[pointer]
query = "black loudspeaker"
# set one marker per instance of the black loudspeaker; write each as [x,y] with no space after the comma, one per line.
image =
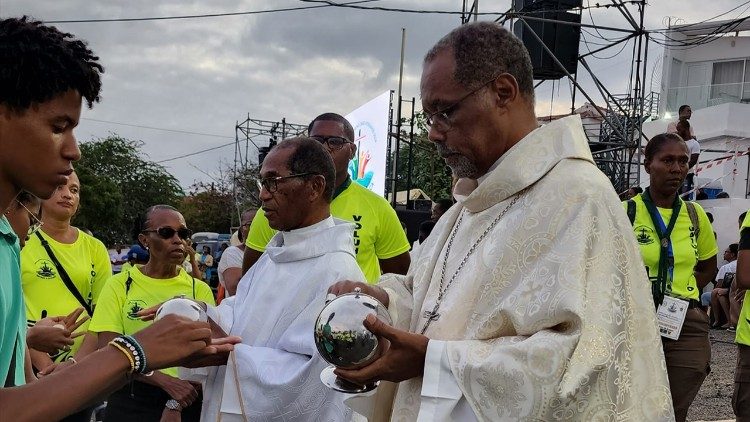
[557,5]
[562,39]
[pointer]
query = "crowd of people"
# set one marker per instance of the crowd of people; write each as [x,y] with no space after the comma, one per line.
[526,299]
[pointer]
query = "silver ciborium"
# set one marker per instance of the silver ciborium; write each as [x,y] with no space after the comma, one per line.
[183,307]
[342,339]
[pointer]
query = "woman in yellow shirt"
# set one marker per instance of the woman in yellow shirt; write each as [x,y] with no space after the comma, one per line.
[679,250]
[62,269]
[161,394]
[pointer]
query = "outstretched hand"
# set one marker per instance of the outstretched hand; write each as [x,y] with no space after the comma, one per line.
[175,340]
[148,314]
[402,360]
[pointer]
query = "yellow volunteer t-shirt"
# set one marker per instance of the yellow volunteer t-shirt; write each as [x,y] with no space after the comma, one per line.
[378,233]
[117,308]
[87,263]
[687,249]
[743,324]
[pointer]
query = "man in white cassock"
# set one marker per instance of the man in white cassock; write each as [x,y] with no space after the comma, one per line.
[529,300]
[274,374]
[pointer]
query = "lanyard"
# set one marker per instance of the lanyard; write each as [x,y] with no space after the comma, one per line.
[666,254]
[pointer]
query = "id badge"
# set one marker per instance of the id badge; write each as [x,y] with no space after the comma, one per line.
[671,316]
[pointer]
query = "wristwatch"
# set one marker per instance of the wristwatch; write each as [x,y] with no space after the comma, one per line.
[173,404]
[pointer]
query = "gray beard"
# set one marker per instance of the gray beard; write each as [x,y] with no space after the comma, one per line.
[461,166]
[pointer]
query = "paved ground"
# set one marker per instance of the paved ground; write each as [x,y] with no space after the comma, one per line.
[714,401]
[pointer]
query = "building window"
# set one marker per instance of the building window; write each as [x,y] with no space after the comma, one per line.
[727,80]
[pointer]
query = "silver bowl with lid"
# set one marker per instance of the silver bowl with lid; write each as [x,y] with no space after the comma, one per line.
[342,339]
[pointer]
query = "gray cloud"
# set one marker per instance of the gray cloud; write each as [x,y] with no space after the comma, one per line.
[203,75]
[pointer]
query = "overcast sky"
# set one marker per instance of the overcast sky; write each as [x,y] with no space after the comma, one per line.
[203,75]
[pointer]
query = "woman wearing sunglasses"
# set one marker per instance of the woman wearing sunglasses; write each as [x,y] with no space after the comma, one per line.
[162,231]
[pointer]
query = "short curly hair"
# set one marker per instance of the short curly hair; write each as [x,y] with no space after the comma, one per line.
[310,156]
[38,63]
[483,50]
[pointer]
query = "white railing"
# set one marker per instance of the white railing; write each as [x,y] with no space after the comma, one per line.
[702,96]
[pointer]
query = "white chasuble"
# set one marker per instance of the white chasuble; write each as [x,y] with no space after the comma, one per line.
[550,317]
[274,375]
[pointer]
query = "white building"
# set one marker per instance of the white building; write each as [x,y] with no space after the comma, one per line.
[711,73]
[591,118]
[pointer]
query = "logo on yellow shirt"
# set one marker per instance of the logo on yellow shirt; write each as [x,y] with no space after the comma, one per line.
[135,306]
[644,235]
[45,269]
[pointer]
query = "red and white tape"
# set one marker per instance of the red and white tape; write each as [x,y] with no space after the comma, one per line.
[718,161]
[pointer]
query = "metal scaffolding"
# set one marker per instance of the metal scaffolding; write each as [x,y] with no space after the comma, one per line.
[262,135]
[616,149]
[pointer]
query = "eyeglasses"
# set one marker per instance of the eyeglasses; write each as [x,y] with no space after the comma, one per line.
[441,119]
[168,232]
[37,223]
[271,184]
[335,143]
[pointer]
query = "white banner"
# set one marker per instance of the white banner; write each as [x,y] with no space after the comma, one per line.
[371,126]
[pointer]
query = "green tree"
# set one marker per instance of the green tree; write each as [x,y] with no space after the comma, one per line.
[216,206]
[429,171]
[117,184]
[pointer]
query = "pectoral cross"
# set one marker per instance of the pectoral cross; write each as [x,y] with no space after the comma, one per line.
[432,315]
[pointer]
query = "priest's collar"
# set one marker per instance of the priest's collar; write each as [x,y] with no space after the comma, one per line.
[303,233]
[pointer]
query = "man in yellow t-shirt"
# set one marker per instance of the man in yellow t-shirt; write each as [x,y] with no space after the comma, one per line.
[129,292]
[379,240]
[741,396]
[86,261]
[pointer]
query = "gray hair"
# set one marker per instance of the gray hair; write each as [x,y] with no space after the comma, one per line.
[484,50]
[310,156]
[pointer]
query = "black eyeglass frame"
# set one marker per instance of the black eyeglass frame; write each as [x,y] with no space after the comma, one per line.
[271,184]
[161,232]
[444,122]
[326,140]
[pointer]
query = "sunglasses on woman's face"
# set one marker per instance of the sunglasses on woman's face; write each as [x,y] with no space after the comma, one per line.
[168,232]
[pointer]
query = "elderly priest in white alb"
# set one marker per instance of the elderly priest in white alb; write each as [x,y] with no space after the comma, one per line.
[529,300]
[274,374]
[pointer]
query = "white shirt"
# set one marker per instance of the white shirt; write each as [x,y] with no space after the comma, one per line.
[114,257]
[230,258]
[728,268]
[693,148]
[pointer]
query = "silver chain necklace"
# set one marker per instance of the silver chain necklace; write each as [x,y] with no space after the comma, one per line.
[433,315]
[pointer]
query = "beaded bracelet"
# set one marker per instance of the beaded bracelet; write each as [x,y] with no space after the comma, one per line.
[125,352]
[130,347]
[137,345]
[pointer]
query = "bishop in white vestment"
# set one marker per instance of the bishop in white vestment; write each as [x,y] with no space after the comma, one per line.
[549,318]
[529,301]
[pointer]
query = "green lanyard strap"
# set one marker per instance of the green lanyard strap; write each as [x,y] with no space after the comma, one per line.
[666,260]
